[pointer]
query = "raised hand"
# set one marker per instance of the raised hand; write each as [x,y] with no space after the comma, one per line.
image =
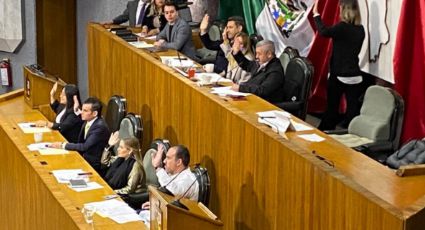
[76,104]
[157,159]
[113,139]
[204,24]
[54,89]
[315,8]
[225,39]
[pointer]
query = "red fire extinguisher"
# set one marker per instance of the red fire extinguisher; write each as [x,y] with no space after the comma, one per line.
[6,72]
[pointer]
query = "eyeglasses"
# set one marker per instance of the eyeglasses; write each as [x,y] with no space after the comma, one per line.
[328,162]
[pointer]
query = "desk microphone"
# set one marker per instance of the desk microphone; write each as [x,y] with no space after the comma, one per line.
[177,201]
[180,59]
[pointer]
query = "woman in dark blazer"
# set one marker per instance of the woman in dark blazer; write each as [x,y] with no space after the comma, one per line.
[66,121]
[345,75]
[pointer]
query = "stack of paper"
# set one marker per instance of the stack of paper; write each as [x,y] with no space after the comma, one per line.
[44,150]
[64,175]
[175,61]
[226,91]
[210,78]
[117,210]
[29,127]
[280,121]
[141,44]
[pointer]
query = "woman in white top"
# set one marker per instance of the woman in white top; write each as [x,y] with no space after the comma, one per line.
[234,72]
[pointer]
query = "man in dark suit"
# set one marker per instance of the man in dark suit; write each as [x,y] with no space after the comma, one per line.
[177,34]
[267,73]
[135,13]
[234,25]
[93,136]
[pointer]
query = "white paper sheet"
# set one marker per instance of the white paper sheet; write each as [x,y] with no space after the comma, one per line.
[226,91]
[90,186]
[141,44]
[64,175]
[117,210]
[174,61]
[27,127]
[52,151]
[312,137]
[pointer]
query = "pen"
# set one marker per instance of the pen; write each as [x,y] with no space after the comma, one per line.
[267,117]
[85,173]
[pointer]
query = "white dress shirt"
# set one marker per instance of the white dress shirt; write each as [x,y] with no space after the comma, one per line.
[179,183]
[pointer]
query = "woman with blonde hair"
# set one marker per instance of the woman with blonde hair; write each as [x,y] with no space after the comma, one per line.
[125,172]
[234,72]
[345,74]
[155,19]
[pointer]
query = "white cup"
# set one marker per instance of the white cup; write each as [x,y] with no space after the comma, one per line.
[88,212]
[38,137]
[209,68]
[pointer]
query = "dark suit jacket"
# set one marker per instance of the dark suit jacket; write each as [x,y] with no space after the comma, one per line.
[91,148]
[266,83]
[129,14]
[221,61]
[69,125]
[181,38]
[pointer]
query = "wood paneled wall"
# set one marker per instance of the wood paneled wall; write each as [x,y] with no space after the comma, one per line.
[260,180]
[56,38]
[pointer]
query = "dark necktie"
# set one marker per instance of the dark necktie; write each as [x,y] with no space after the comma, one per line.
[170,32]
[142,15]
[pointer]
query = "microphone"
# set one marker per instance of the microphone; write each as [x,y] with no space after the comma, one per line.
[180,59]
[177,202]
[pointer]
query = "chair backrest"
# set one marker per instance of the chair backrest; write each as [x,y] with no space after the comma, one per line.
[255,38]
[214,32]
[381,116]
[203,179]
[131,126]
[151,178]
[298,79]
[115,112]
[288,54]
[185,13]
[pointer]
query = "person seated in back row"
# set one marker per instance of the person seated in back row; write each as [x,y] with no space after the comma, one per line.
[125,173]
[67,122]
[235,25]
[155,20]
[135,14]
[234,72]
[267,73]
[177,34]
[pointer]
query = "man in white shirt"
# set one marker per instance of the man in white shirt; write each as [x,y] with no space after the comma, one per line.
[175,174]
[135,13]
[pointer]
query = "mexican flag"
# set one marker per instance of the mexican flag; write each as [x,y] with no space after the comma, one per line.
[286,23]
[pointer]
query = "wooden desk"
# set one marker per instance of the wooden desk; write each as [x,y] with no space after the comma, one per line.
[260,180]
[30,197]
